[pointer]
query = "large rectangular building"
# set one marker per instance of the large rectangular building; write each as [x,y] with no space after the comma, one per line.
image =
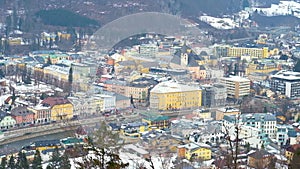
[236,86]
[287,83]
[231,51]
[174,96]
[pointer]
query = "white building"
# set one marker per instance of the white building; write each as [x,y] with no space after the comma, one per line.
[287,83]
[109,102]
[255,129]
[236,86]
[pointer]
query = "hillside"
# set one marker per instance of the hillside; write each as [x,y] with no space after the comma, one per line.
[62,17]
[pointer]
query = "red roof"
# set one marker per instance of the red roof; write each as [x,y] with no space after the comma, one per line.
[52,101]
[293,148]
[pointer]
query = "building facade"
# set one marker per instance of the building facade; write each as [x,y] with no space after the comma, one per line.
[61,108]
[236,86]
[287,83]
[213,95]
[174,96]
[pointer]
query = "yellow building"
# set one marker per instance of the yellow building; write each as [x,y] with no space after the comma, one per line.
[252,52]
[202,114]
[61,108]
[261,66]
[289,152]
[157,122]
[64,35]
[134,129]
[174,96]
[193,150]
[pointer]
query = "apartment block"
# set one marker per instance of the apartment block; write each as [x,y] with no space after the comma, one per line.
[236,86]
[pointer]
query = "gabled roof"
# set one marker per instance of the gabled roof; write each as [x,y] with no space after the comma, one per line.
[52,101]
[20,111]
[259,154]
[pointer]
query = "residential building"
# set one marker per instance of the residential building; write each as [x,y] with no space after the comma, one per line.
[260,159]
[148,50]
[203,114]
[236,86]
[86,105]
[174,96]
[41,114]
[226,111]
[61,108]
[109,102]
[122,102]
[262,66]
[213,95]
[6,120]
[134,129]
[287,83]
[282,136]
[194,150]
[265,122]
[22,115]
[290,151]
[211,133]
[155,121]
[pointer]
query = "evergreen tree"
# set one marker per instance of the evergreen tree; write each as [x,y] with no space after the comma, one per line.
[22,162]
[37,161]
[295,162]
[3,163]
[105,146]
[70,80]
[49,61]
[11,163]
[55,160]
[65,162]
[1,73]
[245,4]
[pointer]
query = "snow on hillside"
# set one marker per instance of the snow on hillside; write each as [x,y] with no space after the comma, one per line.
[283,8]
[219,23]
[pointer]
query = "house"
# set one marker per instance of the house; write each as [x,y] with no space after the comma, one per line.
[156,121]
[260,159]
[22,115]
[134,129]
[193,150]
[41,114]
[61,108]
[6,120]
[290,150]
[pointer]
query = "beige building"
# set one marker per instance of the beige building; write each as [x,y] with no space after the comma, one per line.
[236,86]
[220,113]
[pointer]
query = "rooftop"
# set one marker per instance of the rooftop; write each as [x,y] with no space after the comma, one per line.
[170,86]
[52,101]
[287,75]
[236,79]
